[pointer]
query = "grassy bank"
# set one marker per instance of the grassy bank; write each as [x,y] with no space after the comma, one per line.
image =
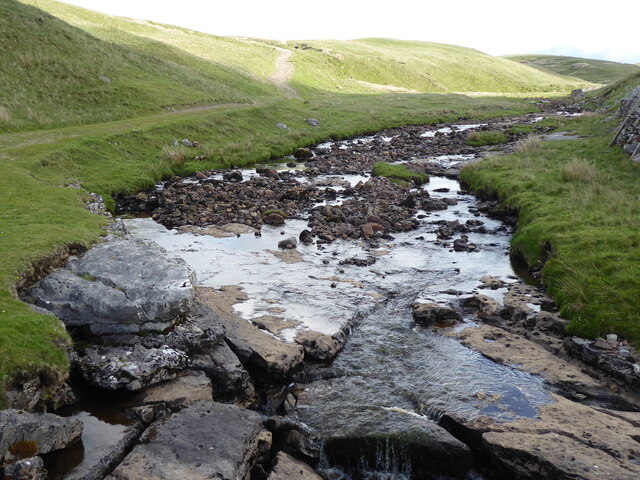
[579,214]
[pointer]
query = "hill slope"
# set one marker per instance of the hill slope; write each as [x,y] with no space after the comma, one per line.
[55,74]
[596,71]
[374,65]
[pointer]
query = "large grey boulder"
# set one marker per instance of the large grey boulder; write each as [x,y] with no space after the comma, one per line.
[203,441]
[356,433]
[129,368]
[25,434]
[288,468]
[121,286]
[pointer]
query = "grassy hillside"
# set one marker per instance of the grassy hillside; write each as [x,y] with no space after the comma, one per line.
[55,74]
[375,65]
[596,71]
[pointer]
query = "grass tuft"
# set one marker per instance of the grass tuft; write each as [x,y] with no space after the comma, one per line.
[529,144]
[399,172]
[579,170]
[482,138]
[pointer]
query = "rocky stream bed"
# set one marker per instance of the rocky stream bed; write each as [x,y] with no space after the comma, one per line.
[307,320]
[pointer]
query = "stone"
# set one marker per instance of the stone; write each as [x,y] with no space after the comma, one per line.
[510,349]
[282,126]
[623,367]
[305,236]
[567,440]
[31,468]
[187,143]
[230,380]
[430,313]
[120,286]
[288,468]
[290,242]
[253,346]
[493,283]
[481,305]
[205,440]
[303,153]
[187,388]
[233,176]
[200,176]
[24,435]
[274,219]
[129,368]
[296,443]
[312,122]
[354,433]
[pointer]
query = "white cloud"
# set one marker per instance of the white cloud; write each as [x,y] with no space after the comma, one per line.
[497,27]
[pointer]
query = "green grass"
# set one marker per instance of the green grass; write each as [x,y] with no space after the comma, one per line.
[56,74]
[590,70]
[399,172]
[381,65]
[482,138]
[579,214]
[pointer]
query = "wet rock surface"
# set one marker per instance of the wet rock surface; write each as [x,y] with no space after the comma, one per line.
[113,368]
[205,440]
[23,434]
[120,286]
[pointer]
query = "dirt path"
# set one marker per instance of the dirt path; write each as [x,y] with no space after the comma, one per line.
[22,139]
[284,73]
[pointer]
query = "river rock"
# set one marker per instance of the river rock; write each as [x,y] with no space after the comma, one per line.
[303,153]
[288,468]
[429,313]
[203,441]
[24,435]
[120,286]
[187,388]
[290,242]
[355,435]
[274,219]
[253,346]
[619,362]
[129,368]
[510,349]
[31,468]
[231,382]
[566,440]
[482,305]
[232,176]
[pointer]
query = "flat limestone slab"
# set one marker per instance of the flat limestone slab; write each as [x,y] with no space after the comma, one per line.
[288,468]
[36,432]
[206,440]
[271,355]
[118,287]
[568,440]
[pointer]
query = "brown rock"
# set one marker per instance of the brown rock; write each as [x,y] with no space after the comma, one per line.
[288,468]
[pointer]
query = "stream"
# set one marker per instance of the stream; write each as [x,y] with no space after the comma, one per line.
[389,362]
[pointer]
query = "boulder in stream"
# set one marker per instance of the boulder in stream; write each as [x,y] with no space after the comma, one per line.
[120,286]
[129,368]
[430,312]
[24,435]
[205,440]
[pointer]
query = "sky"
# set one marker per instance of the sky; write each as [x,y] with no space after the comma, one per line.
[587,28]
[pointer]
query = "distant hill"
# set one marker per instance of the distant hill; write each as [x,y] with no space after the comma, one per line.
[63,65]
[596,71]
[378,65]
[54,73]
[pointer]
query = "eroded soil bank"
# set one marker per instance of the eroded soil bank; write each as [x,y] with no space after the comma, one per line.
[312,319]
